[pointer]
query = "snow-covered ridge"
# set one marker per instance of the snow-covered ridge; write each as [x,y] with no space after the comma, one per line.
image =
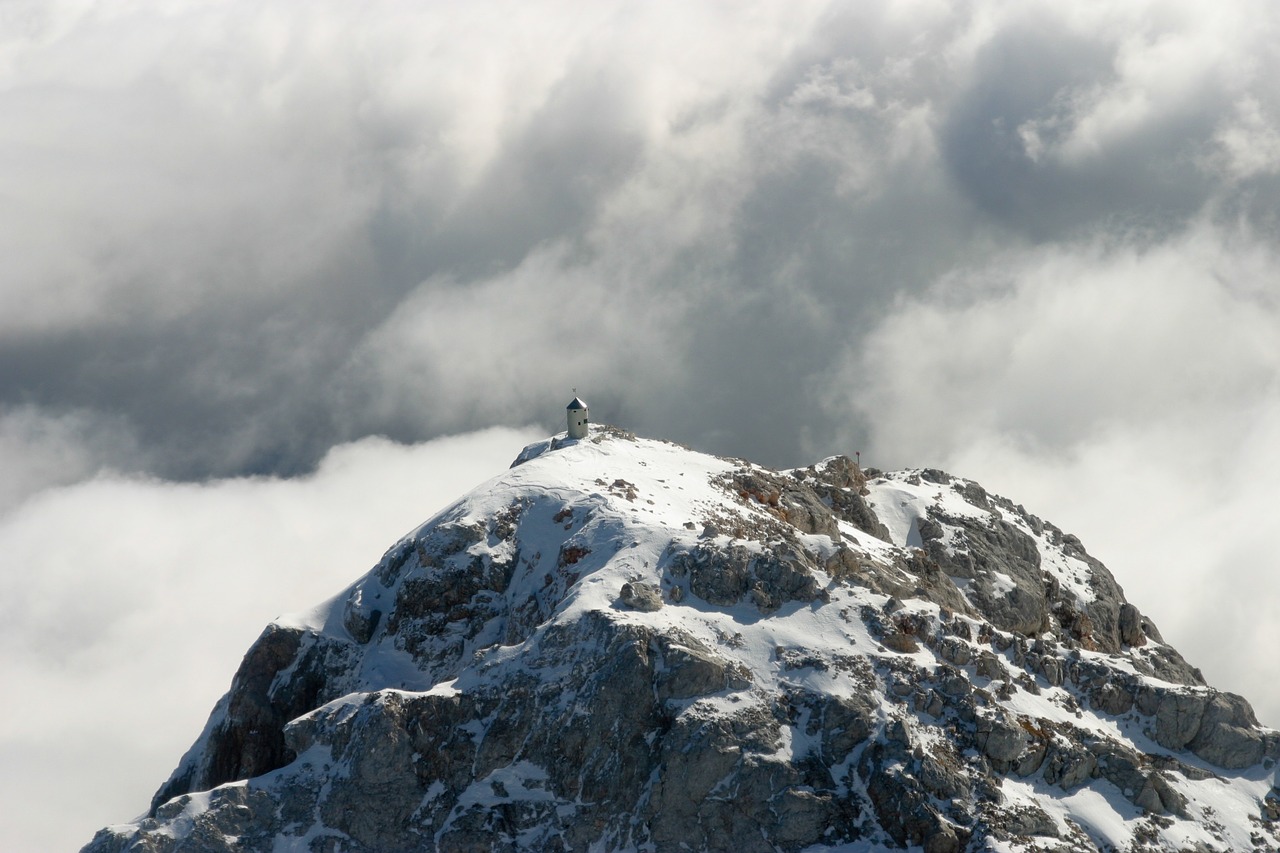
[622,644]
[903,500]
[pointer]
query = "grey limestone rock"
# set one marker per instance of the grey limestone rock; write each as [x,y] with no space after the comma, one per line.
[358,617]
[1031,820]
[1000,738]
[641,596]
[913,575]
[525,722]
[685,668]
[719,576]
[1228,735]
[1068,765]
[986,552]
[942,774]
[1131,626]
[1110,698]
[1178,716]
[723,576]
[247,738]
[839,483]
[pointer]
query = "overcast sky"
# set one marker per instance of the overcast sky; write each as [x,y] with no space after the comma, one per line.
[261,257]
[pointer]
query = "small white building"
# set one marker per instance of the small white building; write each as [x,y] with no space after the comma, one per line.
[577,415]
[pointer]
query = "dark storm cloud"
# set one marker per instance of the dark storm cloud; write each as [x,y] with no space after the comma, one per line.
[1023,87]
[233,278]
[229,280]
[233,219]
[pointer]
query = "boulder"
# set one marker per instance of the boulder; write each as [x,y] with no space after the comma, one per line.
[1002,739]
[1228,735]
[637,595]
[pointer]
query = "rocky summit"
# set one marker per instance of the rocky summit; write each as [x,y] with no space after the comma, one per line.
[621,644]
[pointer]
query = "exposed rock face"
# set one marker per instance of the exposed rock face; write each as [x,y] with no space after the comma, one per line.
[641,596]
[983,553]
[624,645]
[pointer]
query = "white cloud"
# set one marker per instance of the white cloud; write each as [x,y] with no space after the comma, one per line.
[1169,66]
[1248,143]
[39,449]
[126,604]
[498,346]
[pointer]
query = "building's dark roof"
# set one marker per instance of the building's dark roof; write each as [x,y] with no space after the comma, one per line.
[577,403]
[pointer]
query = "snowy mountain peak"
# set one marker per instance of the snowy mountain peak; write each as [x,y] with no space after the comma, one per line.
[623,644]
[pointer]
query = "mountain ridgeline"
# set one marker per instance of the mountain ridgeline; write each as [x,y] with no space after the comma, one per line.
[621,644]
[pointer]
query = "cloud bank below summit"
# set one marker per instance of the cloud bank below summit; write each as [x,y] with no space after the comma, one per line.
[1032,244]
[127,604]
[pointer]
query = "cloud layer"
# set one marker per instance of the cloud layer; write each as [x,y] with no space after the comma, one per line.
[126,605]
[1033,243]
[244,232]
